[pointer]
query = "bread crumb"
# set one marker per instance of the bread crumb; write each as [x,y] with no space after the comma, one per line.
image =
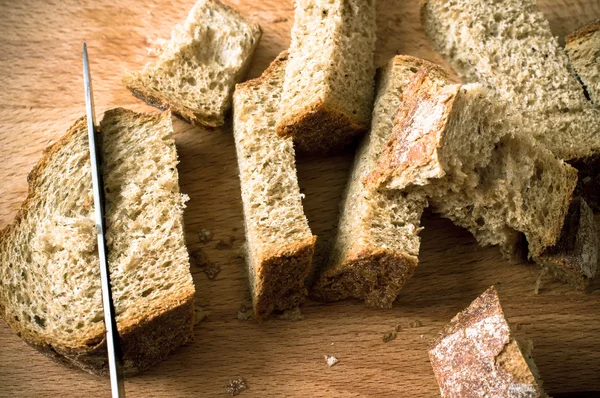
[389,337]
[280,19]
[293,314]
[200,260]
[415,324]
[242,251]
[204,235]
[539,282]
[244,313]
[331,360]
[398,328]
[236,386]
[222,245]
[199,314]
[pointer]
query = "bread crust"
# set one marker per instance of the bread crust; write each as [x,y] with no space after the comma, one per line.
[583,32]
[143,343]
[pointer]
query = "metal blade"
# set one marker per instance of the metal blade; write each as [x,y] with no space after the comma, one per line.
[113,347]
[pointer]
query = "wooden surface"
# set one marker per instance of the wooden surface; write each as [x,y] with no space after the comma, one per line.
[42,94]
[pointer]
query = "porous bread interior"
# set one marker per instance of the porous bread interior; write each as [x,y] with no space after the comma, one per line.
[508,46]
[274,216]
[206,56]
[373,221]
[583,49]
[331,60]
[50,273]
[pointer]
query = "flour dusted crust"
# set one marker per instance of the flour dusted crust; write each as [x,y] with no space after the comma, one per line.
[476,355]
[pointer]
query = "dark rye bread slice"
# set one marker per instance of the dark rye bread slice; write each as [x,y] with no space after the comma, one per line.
[509,47]
[583,49]
[49,272]
[476,355]
[453,143]
[377,244]
[279,242]
[195,74]
[328,88]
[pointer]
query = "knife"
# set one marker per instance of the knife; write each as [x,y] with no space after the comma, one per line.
[113,347]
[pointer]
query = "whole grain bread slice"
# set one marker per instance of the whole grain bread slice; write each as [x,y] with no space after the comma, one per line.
[49,271]
[509,47]
[583,49]
[328,88]
[477,355]
[279,243]
[454,143]
[377,245]
[197,70]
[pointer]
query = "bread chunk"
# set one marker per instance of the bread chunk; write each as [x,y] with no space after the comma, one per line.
[50,290]
[280,245]
[476,355]
[196,72]
[328,88]
[453,143]
[583,49]
[377,244]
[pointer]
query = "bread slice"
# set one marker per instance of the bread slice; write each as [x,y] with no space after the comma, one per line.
[49,272]
[377,244]
[574,258]
[196,72]
[328,88]
[583,49]
[508,46]
[476,355]
[280,245]
[453,143]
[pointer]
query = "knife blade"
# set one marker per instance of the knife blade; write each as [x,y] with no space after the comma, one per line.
[113,347]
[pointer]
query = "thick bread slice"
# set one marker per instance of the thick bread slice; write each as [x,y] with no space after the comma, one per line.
[328,88]
[508,46]
[454,144]
[49,271]
[476,355]
[376,248]
[198,68]
[280,245]
[583,48]
[574,258]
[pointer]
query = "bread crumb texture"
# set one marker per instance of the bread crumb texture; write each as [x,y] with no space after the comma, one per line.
[330,360]
[236,386]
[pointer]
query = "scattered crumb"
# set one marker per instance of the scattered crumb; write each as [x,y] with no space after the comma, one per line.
[415,324]
[398,328]
[244,313]
[222,245]
[236,386]
[421,336]
[242,250]
[280,19]
[539,282]
[200,260]
[199,314]
[293,314]
[204,235]
[331,360]
[389,337]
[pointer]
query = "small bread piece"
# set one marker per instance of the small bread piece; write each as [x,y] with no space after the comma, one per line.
[280,245]
[377,244]
[583,49]
[476,355]
[198,68]
[574,258]
[508,46]
[49,272]
[454,144]
[328,89]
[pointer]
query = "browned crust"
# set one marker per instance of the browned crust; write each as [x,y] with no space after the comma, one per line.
[320,128]
[405,150]
[583,33]
[158,334]
[274,67]
[195,116]
[281,279]
[574,258]
[485,361]
[374,275]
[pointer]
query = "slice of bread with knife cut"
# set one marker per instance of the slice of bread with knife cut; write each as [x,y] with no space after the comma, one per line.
[49,270]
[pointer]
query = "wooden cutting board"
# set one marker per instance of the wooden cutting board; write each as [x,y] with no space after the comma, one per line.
[42,94]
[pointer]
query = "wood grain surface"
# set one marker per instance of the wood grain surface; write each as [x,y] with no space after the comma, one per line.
[42,94]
